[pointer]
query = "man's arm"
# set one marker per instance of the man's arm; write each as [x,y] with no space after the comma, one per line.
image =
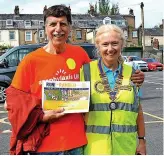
[141,149]
[138,77]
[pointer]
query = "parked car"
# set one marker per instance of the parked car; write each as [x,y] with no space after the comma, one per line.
[125,58]
[10,60]
[153,64]
[136,62]
[90,49]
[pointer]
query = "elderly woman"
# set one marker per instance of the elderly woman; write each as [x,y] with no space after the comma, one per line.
[115,120]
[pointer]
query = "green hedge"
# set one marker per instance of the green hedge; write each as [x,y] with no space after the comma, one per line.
[3,47]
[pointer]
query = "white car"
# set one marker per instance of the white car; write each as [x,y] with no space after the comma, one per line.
[136,62]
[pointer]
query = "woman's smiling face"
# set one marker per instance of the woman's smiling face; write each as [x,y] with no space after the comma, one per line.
[110,45]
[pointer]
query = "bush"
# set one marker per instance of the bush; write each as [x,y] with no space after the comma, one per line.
[3,47]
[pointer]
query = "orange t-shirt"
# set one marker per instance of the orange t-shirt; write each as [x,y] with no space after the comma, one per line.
[67,132]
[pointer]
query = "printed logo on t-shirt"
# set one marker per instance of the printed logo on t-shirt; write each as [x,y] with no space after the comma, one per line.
[62,75]
[71,63]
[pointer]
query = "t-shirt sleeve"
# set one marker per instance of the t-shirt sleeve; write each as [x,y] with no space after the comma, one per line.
[22,77]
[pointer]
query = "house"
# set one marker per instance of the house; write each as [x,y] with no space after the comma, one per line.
[86,25]
[153,34]
[17,29]
[154,43]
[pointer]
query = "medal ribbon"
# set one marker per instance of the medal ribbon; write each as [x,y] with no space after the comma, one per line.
[112,92]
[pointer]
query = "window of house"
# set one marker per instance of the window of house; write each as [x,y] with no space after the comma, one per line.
[119,22]
[113,22]
[41,34]
[134,34]
[78,34]
[27,23]
[107,20]
[126,34]
[123,23]
[69,36]
[9,22]
[11,35]
[41,23]
[28,36]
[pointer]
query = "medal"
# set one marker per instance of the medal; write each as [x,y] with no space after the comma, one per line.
[113,105]
[99,87]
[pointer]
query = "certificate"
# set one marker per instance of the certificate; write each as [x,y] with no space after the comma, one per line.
[73,96]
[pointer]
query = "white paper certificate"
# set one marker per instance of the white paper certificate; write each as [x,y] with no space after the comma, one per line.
[73,96]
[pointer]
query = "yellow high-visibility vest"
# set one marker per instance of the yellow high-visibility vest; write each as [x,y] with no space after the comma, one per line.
[110,132]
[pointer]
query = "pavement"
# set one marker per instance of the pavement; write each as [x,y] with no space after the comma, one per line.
[152,104]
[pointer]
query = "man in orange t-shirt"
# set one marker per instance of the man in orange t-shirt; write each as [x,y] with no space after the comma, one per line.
[55,61]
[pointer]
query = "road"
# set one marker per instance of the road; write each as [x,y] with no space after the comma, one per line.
[152,103]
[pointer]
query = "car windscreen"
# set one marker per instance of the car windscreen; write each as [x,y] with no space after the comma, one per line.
[150,60]
[136,58]
[91,51]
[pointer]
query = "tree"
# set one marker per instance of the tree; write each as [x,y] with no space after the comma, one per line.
[104,7]
[114,9]
[96,8]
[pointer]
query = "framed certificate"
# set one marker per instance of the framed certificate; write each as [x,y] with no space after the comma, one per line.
[73,96]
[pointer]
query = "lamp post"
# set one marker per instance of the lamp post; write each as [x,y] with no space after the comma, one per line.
[143,32]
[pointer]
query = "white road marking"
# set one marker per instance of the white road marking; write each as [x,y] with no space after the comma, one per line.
[153,82]
[159,88]
[147,122]
[3,121]
[3,111]
[154,77]
[6,131]
[153,116]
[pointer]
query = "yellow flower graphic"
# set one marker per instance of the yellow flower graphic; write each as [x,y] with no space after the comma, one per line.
[71,63]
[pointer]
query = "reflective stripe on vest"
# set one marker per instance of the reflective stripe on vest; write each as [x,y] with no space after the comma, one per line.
[86,68]
[120,106]
[113,128]
[105,106]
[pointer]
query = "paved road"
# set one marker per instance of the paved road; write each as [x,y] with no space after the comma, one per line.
[152,102]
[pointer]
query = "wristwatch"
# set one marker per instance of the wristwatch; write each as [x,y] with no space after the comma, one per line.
[142,137]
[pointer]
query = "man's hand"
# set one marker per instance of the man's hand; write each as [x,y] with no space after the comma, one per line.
[5,106]
[138,77]
[52,115]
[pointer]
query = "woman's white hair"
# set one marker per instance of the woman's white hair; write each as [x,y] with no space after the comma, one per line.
[106,28]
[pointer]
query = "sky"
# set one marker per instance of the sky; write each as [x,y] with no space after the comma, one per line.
[153,9]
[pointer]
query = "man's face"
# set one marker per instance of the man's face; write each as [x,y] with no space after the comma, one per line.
[109,46]
[57,30]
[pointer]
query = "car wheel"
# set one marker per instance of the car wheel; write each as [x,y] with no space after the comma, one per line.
[2,93]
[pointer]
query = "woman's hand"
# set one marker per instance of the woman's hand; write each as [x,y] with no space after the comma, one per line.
[52,115]
[141,149]
[138,77]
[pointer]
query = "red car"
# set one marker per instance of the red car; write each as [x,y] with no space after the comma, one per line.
[153,64]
